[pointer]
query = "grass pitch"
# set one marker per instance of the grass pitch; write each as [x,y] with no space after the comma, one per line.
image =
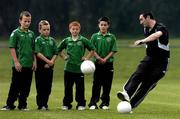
[161,103]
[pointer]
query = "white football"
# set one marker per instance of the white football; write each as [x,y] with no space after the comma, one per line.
[124,107]
[87,67]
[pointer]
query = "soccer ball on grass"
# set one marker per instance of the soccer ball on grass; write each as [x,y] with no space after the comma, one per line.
[124,107]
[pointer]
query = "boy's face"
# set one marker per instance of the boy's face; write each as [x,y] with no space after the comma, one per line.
[45,30]
[103,26]
[74,30]
[25,22]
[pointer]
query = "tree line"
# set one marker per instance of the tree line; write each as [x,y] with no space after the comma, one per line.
[123,14]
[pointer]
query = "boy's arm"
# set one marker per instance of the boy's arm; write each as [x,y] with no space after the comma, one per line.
[54,58]
[42,57]
[61,48]
[63,55]
[108,56]
[55,49]
[90,46]
[97,56]
[18,66]
[103,60]
[100,59]
[89,55]
[34,63]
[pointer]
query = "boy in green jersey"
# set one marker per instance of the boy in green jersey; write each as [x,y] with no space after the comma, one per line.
[105,44]
[21,44]
[46,53]
[75,46]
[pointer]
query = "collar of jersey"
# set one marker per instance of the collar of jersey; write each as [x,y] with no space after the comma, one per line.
[23,31]
[44,37]
[99,33]
[70,38]
[154,27]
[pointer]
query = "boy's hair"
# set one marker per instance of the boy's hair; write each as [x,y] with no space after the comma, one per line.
[104,18]
[74,23]
[24,13]
[146,14]
[43,22]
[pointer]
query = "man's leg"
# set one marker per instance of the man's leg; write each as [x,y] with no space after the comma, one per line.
[147,85]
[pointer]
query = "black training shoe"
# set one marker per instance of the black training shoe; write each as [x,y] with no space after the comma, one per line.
[123,96]
[23,108]
[43,108]
[6,108]
[93,107]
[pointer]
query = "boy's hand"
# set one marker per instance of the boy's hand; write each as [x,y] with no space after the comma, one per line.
[46,66]
[18,66]
[103,60]
[66,57]
[50,63]
[100,61]
[84,58]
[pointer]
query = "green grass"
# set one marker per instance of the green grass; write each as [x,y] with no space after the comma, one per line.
[161,103]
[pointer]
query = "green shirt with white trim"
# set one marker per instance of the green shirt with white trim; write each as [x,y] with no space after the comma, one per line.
[46,46]
[104,44]
[75,51]
[23,43]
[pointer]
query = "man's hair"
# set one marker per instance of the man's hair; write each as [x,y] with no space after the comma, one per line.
[104,18]
[24,13]
[74,23]
[145,15]
[43,22]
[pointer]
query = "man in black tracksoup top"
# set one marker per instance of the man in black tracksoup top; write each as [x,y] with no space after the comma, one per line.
[154,65]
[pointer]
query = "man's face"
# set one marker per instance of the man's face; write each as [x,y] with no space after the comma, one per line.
[143,21]
[103,26]
[25,22]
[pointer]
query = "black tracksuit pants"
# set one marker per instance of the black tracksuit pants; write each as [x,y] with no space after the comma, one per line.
[144,79]
[20,87]
[43,78]
[69,79]
[103,77]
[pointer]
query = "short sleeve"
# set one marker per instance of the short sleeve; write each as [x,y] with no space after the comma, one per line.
[114,46]
[62,45]
[93,40]
[37,46]
[33,41]
[89,45]
[55,47]
[13,40]
[162,29]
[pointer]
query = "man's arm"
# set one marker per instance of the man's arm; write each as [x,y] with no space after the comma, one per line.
[150,38]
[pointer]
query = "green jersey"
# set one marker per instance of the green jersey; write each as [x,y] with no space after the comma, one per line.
[47,47]
[75,50]
[104,44]
[23,43]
